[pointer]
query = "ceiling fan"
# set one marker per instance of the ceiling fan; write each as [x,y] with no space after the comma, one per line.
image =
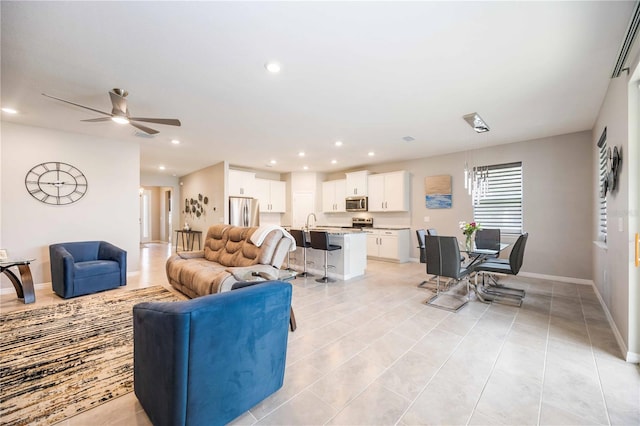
[120,113]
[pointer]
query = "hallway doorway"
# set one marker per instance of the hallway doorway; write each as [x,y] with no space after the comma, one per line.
[156,214]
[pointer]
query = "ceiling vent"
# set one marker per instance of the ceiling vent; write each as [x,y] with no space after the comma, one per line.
[144,135]
[408,139]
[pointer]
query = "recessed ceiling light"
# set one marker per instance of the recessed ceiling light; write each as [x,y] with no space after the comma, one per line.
[175,141]
[10,110]
[301,154]
[161,167]
[120,120]
[305,167]
[371,153]
[273,161]
[338,143]
[334,161]
[272,67]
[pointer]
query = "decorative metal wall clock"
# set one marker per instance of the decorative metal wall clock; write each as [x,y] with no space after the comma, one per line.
[56,183]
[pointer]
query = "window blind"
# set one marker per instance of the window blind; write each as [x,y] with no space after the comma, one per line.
[603,162]
[501,207]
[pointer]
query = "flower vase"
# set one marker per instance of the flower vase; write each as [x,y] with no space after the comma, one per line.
[467,242]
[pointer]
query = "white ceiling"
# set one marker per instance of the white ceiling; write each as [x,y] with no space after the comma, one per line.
[364,73]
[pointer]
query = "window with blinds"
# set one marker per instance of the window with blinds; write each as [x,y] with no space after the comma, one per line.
[602,164]
[501,205]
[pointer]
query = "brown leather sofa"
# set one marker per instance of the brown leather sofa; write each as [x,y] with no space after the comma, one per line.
[229,256]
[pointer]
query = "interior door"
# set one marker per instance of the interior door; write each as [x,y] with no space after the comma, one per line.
[145,215]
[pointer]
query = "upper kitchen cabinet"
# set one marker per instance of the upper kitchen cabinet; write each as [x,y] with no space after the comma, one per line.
[333,196]
[271,194]
[241,184]
[357,183]
[389,192]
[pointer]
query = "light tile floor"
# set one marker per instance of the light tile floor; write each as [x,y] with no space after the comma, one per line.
[367,351]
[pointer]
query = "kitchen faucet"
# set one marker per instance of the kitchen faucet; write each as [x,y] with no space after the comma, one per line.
[315,219]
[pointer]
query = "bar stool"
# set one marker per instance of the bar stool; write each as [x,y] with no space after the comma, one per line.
[320,241]
[301,241]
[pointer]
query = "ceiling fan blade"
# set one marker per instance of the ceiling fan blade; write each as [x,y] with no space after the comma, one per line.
[118,102]
[96,120]
[168,121]
[78,105]
[145,129]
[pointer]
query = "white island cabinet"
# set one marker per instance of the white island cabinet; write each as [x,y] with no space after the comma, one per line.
[388,244]
[348,262]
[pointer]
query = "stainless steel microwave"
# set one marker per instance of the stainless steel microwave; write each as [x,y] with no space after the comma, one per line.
[357,204]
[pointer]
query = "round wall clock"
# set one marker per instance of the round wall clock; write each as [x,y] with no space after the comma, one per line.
[56,183]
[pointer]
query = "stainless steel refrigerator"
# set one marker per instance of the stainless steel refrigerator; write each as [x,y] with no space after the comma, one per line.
[244,211]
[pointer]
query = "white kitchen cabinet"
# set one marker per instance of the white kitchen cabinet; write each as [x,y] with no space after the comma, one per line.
[241,184]
[389,192]
[271,194]
[357,183]
[333,196]
[388,244]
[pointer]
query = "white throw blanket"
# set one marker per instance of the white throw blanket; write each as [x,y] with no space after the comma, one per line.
[257,238]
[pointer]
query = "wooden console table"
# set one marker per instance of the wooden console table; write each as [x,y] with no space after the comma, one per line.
[188,238]
[24,284]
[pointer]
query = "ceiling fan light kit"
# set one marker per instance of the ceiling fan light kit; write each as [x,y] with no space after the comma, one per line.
[120,113]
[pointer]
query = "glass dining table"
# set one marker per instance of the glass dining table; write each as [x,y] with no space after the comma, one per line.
[479,255]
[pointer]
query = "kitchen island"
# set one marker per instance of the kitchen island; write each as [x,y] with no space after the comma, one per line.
[349,262]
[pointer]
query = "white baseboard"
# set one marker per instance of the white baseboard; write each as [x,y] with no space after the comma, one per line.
[40,286]
[571,280]
[11,290]
[631,357]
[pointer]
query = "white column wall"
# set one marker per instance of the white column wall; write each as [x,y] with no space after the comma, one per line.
[109,210]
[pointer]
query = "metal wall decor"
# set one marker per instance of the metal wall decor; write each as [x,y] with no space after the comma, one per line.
[56,183]
[614,165]
[195,207]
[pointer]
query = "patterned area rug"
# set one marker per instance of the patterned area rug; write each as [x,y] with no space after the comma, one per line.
[63,359]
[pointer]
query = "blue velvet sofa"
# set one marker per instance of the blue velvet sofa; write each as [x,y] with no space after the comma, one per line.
[86,267]
[208,360]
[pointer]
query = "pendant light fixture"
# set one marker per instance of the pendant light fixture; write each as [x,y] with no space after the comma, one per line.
[476,178]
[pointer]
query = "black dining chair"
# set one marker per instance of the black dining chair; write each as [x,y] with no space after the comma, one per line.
[488,239]
[421,234]
[500,266]
[443,260]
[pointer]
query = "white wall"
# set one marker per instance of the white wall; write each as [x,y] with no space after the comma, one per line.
[209,182]
[557,213]
[615,276]
[109,210]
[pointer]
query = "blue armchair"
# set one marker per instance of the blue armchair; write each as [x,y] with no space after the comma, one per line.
[207,360]
[86,267]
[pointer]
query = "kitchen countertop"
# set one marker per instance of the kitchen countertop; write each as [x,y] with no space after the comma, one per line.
[337,230]
[391,227]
